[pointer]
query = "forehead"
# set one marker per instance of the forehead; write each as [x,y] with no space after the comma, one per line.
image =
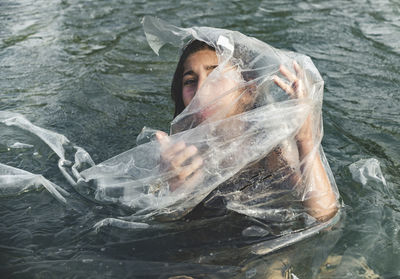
[205,57]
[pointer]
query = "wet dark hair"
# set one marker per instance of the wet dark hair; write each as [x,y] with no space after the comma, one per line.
[176,86]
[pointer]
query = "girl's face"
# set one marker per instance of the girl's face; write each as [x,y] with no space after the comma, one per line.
[212,96]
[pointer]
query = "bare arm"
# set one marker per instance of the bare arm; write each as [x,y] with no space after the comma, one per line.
[321,200]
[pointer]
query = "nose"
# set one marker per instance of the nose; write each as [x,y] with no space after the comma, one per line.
[203,96]
[200,81]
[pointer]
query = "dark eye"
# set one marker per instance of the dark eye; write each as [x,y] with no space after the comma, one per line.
[189,81]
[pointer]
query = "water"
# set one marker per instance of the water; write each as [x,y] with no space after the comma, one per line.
[84,70]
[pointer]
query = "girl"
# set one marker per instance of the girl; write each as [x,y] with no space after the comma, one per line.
[213,103]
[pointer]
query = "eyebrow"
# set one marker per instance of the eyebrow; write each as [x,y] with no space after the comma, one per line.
[208,67]
[190,72]
[211,67]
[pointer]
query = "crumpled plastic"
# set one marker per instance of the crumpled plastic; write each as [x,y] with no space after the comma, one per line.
[237,150]
[228,144]
[367,169]
[15,181]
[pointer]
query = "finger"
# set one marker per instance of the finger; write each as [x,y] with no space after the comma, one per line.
[171,152]
[162,138]
[188,184]
[288,74]
[191,168]
[282,84]
[195,178]
[183,156]
[160,135]
[298,69]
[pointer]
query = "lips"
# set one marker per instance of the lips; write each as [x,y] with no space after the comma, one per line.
[206,113]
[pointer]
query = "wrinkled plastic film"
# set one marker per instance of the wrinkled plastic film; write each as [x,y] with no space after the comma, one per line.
[15,181]
[255,141]
[220,156]
[245,129]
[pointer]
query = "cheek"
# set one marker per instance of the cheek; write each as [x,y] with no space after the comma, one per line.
[187,95]
[230,100]
[227,81]
[227,85]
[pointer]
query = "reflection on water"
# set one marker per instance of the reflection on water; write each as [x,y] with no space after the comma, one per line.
[84,70]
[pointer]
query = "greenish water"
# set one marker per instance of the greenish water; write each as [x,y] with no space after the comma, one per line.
[85,70]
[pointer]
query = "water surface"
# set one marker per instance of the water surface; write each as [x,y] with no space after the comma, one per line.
[85,70]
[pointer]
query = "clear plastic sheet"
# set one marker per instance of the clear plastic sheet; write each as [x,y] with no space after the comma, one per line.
[249,132]
[367,169]
[14,181]
[251,164]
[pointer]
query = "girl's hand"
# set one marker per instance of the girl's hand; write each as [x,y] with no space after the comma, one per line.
[295,88]
[181,160]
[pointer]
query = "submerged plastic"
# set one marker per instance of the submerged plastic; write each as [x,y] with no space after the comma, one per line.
[248,133]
